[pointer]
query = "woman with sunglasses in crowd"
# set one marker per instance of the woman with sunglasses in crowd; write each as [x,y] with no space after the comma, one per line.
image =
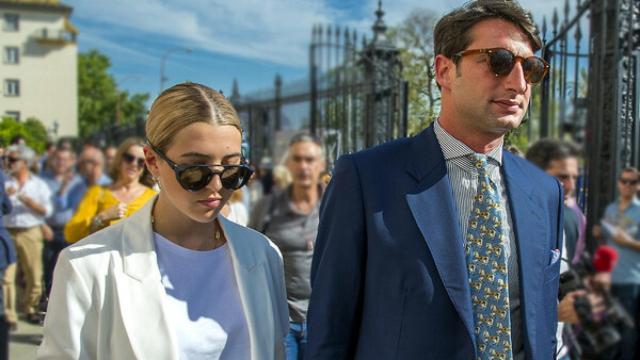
[102,206]
[175,280]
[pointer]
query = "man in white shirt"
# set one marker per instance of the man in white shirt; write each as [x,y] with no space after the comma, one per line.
[31,200]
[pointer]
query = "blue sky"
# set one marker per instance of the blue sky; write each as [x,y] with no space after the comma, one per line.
[249,40]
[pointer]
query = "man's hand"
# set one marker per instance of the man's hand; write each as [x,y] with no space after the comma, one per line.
[566,310]
[28,202]
[11,190]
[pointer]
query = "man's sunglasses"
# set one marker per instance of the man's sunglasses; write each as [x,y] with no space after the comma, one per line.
[197,177]
[131,159]
[502,61]
[628,181]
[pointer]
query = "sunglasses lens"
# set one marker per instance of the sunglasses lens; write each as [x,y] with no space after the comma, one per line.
[534,70]
[195,178]
[501,61]
[198,177]
[233,178]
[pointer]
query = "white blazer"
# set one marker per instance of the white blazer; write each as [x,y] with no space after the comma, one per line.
[107,298]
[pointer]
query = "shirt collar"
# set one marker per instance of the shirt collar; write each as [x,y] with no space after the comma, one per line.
[453,148]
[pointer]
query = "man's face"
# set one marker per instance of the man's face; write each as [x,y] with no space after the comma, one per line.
[627,184]
[566,170]
[91,164]
[305,163]
[62,162]
[483,102]
[15,163]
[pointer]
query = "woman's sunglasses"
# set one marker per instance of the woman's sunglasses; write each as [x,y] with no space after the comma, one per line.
[130,159]
[502,61]
[197,177]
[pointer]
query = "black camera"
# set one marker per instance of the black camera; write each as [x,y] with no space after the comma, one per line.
[596,336]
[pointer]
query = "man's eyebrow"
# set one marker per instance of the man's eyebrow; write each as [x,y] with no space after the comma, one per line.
[193,154]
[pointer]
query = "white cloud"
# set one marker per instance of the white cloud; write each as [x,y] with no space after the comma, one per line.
[274,30]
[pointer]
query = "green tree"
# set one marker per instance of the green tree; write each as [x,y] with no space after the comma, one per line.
[101,104]
[414,36]
[32,130]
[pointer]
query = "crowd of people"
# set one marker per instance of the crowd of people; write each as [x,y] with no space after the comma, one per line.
[444,245]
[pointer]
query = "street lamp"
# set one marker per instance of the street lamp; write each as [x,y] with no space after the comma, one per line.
[164,59]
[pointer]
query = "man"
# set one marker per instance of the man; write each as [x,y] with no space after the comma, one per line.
[110,155]
[31,200]
[444,246]
[621,228]
[290,219]
[62,180]
[560,160]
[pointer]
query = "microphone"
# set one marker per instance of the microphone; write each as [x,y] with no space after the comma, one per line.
[605,259]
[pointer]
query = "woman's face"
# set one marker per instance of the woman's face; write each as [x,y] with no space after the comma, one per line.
[132,163]
[198,143]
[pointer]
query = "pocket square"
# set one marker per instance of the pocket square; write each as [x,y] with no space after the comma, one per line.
[555,256]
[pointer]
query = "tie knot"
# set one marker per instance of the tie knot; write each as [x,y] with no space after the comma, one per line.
[480,162]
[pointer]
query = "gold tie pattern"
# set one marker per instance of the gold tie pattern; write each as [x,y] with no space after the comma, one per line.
[487,269]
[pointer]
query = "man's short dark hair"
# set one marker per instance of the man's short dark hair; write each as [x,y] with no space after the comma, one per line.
[451,34]
[304,137]
[544,151]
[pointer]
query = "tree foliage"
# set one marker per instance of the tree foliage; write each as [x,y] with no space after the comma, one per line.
[414,37]
[32,130]
[101,103]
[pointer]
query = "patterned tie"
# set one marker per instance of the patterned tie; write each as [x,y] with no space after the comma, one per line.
[487,267]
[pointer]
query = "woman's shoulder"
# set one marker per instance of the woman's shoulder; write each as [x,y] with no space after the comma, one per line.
[93,250]
[148,193]
[252,240]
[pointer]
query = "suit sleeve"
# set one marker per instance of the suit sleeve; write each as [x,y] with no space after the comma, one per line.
[7,207]
[69,328]
[337,272]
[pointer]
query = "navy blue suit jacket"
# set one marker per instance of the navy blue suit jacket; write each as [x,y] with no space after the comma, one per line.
[7,250]
[389,274]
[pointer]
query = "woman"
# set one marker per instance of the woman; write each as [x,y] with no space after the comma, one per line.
[175,280]
[102,206]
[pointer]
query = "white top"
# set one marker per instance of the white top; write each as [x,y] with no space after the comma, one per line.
[203,302]
[23,216]
[238,213]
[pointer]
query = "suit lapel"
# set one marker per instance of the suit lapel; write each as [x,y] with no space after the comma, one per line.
[530,232]
[252,283]
[432,206]
[140,292]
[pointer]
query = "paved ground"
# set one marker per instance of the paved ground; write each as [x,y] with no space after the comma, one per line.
[24,341]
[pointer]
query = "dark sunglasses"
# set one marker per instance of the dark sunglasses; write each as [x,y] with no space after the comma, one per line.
[11,159]
[502,61]
[628,181]
[197,177]
[130,159]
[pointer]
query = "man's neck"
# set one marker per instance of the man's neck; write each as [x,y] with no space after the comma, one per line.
[304,195]
[625,201]
[481,143]
[22,176]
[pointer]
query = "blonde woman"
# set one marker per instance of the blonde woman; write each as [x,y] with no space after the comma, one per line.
[102,206]
[175,280]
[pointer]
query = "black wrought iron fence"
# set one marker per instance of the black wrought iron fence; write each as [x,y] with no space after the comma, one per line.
[355,95]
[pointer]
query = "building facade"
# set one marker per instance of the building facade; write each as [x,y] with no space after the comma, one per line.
[38,65]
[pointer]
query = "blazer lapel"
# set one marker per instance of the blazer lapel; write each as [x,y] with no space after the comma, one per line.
[140,292]
[252,283]
[432,206]
[529,229]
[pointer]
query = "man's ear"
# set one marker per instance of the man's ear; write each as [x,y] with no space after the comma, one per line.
[152,161]
[445,70]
